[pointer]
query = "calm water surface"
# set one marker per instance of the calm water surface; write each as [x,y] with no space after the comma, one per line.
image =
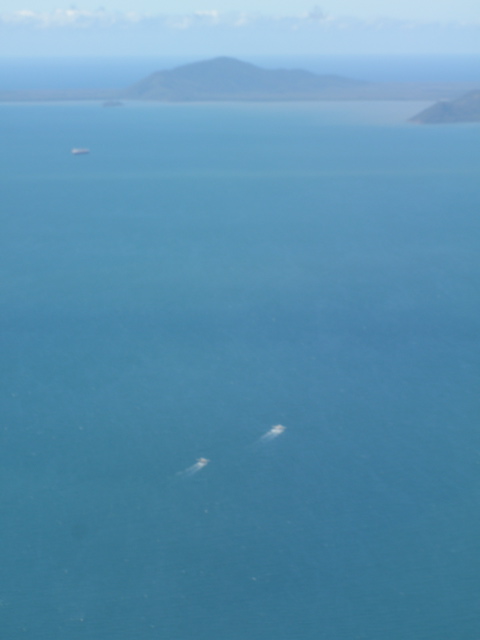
[205,273]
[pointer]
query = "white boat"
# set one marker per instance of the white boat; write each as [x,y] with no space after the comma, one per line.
[79,151]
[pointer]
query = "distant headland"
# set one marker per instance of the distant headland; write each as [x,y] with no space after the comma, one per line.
[231,80]
[463,109]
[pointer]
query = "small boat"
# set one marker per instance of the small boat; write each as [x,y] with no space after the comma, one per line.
[80,152]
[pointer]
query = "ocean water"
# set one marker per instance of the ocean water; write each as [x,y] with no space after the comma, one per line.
[207,272]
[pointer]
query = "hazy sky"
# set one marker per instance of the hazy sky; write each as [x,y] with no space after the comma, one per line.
[235,27]
[425,10]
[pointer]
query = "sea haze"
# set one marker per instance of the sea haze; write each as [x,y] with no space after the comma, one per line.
[117,73]
[207,272]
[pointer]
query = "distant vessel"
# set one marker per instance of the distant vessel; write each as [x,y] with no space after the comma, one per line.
[80,152]
[274,432]
[112,103]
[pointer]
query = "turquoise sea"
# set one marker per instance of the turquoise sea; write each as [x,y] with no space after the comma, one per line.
[207,272]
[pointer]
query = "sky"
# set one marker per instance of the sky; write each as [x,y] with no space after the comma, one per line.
[237,27]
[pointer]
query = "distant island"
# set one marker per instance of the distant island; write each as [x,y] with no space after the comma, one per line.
[228,79]
[463,109]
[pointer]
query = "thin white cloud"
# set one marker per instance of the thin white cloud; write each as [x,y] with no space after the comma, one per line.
[314,19]
[212,17]
[60,18]
[187,21]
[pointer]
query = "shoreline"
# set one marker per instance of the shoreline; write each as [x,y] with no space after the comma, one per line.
[371,92]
